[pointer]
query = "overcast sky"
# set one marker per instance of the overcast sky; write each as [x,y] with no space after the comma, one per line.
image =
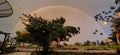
[78,10]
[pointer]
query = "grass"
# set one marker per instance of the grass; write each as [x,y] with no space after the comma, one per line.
[97,47]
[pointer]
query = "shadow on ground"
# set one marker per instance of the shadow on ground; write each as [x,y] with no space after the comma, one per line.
[70,53]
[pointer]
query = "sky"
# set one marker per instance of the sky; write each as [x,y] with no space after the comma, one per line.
[77,13]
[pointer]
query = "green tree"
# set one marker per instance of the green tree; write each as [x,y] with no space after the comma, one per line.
[113,37]
[106,16]
[102,43]
[23,37]
[98,42]
[117,1]
[116,27]
[77,44]
[87,43]
[45,31]
[93,43]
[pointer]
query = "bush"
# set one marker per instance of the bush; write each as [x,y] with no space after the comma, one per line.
[77,44]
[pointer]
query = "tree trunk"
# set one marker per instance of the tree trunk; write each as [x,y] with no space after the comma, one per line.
[58,42]
[46,49]
[117,37]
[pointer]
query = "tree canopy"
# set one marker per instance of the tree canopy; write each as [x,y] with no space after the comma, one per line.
[45,31]
[23,36]
[111,16]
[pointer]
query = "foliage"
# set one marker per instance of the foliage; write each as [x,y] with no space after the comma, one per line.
[113,37]
[23,36]
[93,43]
[65,44]
[77,44]
[117,1]
[98,42]
[116,23]
[45,31]
[109,16]
[111,46]
[87,43]
[102,43]
[116,27]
